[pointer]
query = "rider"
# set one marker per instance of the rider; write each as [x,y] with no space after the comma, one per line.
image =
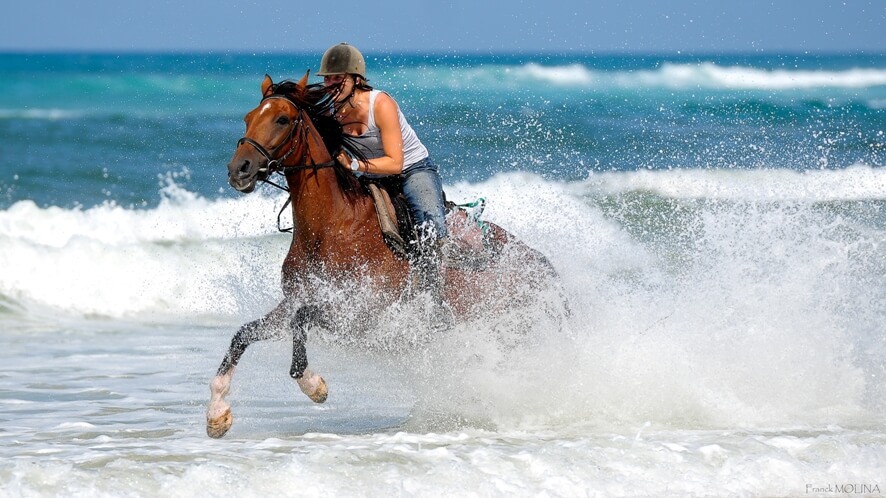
[391,147]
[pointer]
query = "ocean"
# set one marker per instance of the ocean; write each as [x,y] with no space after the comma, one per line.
[718,223]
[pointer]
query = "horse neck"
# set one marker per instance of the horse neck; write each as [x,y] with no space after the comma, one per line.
[315,193]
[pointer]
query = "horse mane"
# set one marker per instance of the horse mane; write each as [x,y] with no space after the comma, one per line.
[319,105]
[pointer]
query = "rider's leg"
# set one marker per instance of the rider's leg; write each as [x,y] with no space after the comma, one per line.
[423,190]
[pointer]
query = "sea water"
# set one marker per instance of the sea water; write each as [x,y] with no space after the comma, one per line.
[718,224]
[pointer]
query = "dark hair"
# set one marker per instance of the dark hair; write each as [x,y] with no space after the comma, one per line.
[361,83]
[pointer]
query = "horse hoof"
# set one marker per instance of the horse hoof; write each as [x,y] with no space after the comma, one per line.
[320,393]
[314,387]
[218,426]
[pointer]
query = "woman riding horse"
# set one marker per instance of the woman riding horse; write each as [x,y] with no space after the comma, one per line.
[389,146]
[337,242]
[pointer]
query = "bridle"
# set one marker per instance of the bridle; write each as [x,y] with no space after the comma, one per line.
[277,165]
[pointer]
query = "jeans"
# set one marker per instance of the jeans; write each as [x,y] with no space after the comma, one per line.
[423,190]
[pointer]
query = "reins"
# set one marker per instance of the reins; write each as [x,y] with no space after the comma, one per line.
[292,169]
[277,166]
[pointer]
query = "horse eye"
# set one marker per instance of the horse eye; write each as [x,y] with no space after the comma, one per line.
[283,120]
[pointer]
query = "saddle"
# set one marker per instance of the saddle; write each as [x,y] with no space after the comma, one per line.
[468,246]
[394,218]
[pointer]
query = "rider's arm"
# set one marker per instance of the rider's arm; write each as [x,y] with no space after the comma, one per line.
[388,122]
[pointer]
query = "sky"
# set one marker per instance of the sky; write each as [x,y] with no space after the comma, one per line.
[446,26]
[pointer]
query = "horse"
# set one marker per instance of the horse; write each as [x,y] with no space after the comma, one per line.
[336,239]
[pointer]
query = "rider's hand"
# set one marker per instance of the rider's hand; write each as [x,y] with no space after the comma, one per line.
[344,159]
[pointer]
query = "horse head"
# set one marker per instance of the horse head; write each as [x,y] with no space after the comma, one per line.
[272,135]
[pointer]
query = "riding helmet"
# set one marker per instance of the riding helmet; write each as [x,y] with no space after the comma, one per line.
[342,59]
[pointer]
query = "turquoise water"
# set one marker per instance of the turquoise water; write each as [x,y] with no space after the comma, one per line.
[82,129]
[718,224]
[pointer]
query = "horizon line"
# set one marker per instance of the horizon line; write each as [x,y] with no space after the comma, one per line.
[451,53]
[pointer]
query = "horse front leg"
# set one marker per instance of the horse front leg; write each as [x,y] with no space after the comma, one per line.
[218,415]
[308,381]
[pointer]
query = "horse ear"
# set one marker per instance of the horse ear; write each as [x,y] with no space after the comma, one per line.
[303,82]
[266,85]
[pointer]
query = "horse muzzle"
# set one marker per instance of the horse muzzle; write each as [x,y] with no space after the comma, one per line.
[241,187]
[244,175]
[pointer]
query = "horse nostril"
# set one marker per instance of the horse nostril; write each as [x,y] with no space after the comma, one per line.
[245,167]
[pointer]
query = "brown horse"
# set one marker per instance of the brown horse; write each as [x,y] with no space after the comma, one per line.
[336,239]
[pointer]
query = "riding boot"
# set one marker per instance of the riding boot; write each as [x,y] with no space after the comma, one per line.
[428,265]
[431,278]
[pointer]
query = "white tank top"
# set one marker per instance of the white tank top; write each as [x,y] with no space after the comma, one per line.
[371,144]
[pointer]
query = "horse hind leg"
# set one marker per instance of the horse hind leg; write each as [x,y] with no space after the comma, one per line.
[218,415]
[308,381]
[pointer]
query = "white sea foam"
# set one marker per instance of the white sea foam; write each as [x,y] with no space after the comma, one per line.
[114,261]
[473,463]
[181,216]
[699,334]
[573,74]
[703,75]
[41,114]
[854,183]
[710,75]
[727,348]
